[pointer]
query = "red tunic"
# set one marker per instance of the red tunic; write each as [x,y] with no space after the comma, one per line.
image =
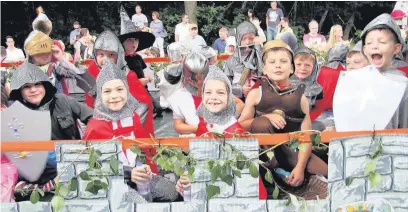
[135,88]
[327,78]
[100,129]
[404,69]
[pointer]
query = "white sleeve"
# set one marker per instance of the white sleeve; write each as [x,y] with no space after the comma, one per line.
[133,19]
[145,20]
[21,54]
[177,31]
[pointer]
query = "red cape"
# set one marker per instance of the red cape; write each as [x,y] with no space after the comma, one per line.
[404,69]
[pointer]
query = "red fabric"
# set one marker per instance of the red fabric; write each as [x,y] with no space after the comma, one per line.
[133,54]
[262,190]
[56,43]
[93,70]
[327,78]
[404,69]
[397,14]
[100,129]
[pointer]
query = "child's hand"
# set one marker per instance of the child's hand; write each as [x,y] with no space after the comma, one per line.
[141,175]
[296,177]
[183,183]
[57,52]
[277,121]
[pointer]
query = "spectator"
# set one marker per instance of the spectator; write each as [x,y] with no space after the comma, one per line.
[81,44]
[73,36]
[273,17]
[355,58]
[220,43]
[182,30]
[251,15]
[284,28]
[13,54]
[261,38]
[231,45]
[195,42]
[157,28]
[336,37]
[313,39]
[3,53]
[139,19]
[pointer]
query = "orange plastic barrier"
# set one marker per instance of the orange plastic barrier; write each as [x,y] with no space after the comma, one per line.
[147,60]
[265,139]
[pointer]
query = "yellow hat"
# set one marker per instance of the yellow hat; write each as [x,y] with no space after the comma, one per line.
[275,44]
[193,26]
[38,43]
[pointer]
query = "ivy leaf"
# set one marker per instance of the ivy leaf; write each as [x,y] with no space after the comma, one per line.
[91,188]
[268,177]
[293,144]
[349,180]
[34,197]
[179,170]
[40,191]
[378,151]
[98,153]
[275,193]
[84,176]
[374,179]
[316,139]
[253,170]
[135,149]
[215,173]
[73,184]
[173,159]
[64,191]
[210,164]
[105,186]
[294,200]
[57,187]
[191,170]
[370,167]
[212,190]
[114,164]
[92,159]
[57,202]
[302,147]
[270,155]
[288,202]
[237,173]
[160,162]
[228,179]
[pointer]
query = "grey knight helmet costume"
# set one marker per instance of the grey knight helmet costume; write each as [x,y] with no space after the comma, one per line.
[385,21]
[337,55]
[108,41]
[240,68]
[313,90]
[225,115]
[194,71]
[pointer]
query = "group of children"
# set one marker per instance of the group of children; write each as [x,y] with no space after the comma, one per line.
[274,90]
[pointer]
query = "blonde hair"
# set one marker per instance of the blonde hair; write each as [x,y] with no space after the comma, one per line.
[332,36]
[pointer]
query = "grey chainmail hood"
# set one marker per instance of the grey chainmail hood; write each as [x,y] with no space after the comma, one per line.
[30,73]
[313,89]
[108,41]
[110,72]
[225,115]
[337,55]
[194,72]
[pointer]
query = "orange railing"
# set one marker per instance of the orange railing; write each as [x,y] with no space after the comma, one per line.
[266,139]
[147,60]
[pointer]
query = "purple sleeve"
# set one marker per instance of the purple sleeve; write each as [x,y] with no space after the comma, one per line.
[281,14]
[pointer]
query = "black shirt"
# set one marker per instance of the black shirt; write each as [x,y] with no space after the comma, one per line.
[136,64]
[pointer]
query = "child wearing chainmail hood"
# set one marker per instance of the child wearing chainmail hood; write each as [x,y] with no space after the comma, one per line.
[118,114]
[217,110]
[355,58]
[280,107]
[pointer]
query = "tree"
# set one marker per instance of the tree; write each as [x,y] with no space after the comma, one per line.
[190,8]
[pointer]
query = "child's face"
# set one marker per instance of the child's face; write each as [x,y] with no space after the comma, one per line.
[380,48]
[102,55]
[278,65]
[33,93]
[215,97]
[114,95]
[356,61]
[303,67]
[131,45]
[247,39]
[42,59]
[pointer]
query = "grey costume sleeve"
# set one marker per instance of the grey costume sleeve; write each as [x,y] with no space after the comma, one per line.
[142,111]
[403,111]
[80,110]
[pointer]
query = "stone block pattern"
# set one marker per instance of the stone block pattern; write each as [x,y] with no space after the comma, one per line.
[346,159]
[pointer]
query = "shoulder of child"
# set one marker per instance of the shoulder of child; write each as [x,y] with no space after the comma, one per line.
[253,96]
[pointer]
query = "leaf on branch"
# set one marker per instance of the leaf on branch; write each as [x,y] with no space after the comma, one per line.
[228,179]
[212,190]
[98,153]
[179,170]
[302,147]
[173,159]
[316,139]
[215,173]
[105,186]
[288,202]
[370,167]
[293,144]
[268,176]
[228,149]
[191,170]
[73,184]
[378,150]
[114,164]
[275,193]
[270,155]
[92,159]
[210,164]
[34,197]
[349,180]
[237,173]
[84,176]
[135,149]
[160,162]
[374,179]
[253,170]
[40,191]
[294,200]
[91,188]
[64,191]
[57,202]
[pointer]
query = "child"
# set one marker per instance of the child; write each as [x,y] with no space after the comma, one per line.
[217,111]
[355,58]
[32,88]
[281,107]
[108,48]
[381,41]
[118,114]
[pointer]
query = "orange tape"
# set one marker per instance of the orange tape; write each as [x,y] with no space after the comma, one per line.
[264,139]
